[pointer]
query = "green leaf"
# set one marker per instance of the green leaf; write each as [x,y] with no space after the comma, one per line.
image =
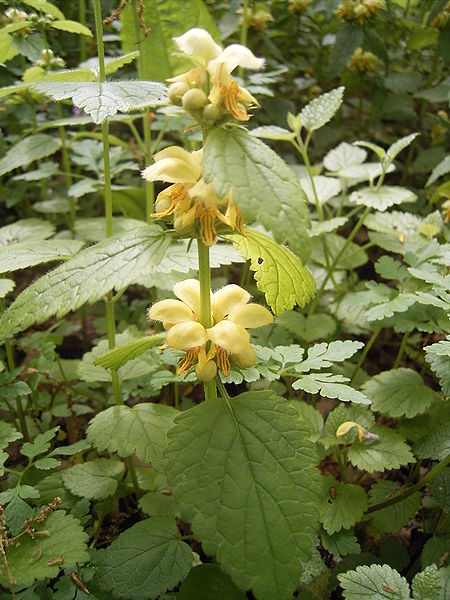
[119,356]
[438,357]
[30,560]
[427,584]
[330,386]
[340,543]
[103,100]
[114,263]
[352,257]
[272,132]
[322,109]
[383,198]
[394,517]
[348,38]
[33,147]
[399,393]
[263,186]
[45,7]
[251,495]
[390,451]
[398,146]
[440,489]
[436,444]
[161,58]
[40,444]
[6,286]
[97,479]
[206,582]
[326,188]
[343,156]
[71,27]
[16,514]
[75,448]
[8,434]
[141,430]
[441,169]
[374,583]
[307,328]
[144,561]
[328,226]
[324,355]
[280,274]
[25,230]
[28,254]
[390,268]
[46,463]
[342,505]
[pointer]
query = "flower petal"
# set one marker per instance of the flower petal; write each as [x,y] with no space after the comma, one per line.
[246,358]
[250,316]
[172,311]
[204,193]
[175,165]
[189,292]
[227,298]
[234,56]
[198,43]
[188,334]
[229,336]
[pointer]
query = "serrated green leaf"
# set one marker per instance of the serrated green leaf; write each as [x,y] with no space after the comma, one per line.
[114,263]
[97,479]
[330,386]
[342,508]
[45,7]
[25,230]
[263,186]
[340,543]
[51,486]
[311,418]
[322,109]
[71,27]
[368,171]
[394,517]
[348,38]
[16,514]
[440,489]
[157,504]
[399,393]
[374,583]
[382,198]
[141,430]
[75,448]
[441,169]
[8,434]
[390,451]
[28,254]
[47,463]
[427,584]
[119,356]
[436,444]
[103,100]
[438,357]
[328,226]
[30,560]
[351,258]
[307,328]
[166,59]
[323,355]
[144,561]
[251,496]
[272,132]
[398,146]
[206,582]
[390,268]
[325,187]
[280,274]
[6,286]
[344,155]
[33,147]
[40,444]
[22,491]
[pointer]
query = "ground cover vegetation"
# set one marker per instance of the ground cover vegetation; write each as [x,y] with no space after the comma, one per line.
[225,341]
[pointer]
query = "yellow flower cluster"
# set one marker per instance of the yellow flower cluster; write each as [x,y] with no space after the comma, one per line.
[190,200]
[359,10]
[440,20]
[210,349]
[208,91]
[258,18]
[362,61]
[298,6]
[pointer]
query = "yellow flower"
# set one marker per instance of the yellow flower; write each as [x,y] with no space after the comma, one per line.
[210,348]
[190,198]
[212,75]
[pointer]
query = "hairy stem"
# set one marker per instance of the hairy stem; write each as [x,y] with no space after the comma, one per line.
[401,350]
[204,273]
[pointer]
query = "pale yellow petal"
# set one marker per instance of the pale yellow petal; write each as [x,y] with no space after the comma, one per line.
[198,43]
[207,371]
[175,165]
[229,336]
[189,292]
[188,334]
[204,193]
[227,298]
[250,316]
[172,311]
[234,56]
[246,358]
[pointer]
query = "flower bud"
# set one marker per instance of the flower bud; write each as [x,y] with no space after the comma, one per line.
[194,99]
[176,91]
[207,371]
[211,112]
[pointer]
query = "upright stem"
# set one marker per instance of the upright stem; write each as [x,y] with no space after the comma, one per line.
[66,166]
[401,350]
[204,274]
[366,351]
[82,20]
[107,178]
[99,36]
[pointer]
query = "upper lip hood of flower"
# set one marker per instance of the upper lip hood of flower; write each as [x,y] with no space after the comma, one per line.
[175,165]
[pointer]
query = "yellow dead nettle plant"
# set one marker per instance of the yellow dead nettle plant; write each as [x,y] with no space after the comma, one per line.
[190,198]
[209,86]
[210,348]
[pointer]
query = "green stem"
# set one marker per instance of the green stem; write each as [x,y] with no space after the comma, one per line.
[66,166]
[99,36]
[405,493]
[204,274]
[401,350]
[366,351]
[107,178]
[149,185]
[303,149]
[350,238]
[82,20]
